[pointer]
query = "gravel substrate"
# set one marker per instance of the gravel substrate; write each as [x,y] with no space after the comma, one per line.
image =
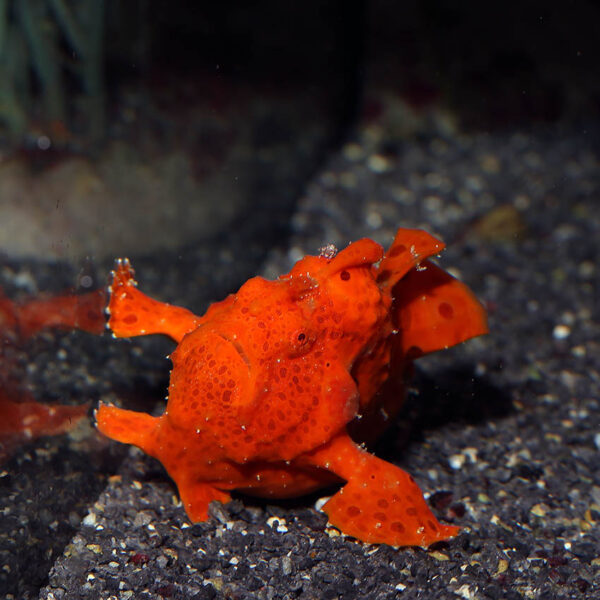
[503,433]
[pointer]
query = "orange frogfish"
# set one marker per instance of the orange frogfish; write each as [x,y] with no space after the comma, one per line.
[273,390]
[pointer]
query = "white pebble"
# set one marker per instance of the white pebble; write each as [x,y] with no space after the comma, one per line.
[457,461]
[561,332]
[89,519]
[378,163]
[374,219]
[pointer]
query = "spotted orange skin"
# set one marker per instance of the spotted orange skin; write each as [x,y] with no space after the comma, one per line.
[269,385]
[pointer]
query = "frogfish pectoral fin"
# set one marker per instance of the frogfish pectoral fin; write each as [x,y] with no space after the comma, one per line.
[127,426]
[381,503]
[133,313]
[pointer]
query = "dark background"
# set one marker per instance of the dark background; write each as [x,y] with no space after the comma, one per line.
[478,122]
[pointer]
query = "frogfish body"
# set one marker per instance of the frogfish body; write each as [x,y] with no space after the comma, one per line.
[273,390]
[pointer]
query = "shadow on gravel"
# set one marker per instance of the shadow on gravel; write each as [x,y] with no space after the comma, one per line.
[45,491]
[446,396]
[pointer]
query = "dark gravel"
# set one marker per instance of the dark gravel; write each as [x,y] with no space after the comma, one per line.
[503,432]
